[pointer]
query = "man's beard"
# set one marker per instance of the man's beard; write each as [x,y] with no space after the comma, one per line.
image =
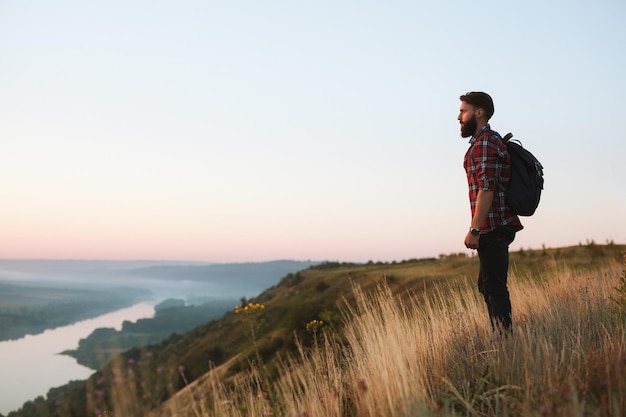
[469,128]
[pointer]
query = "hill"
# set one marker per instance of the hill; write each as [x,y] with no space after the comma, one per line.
[171,316]
[36,295]
[32,308]
[282,324]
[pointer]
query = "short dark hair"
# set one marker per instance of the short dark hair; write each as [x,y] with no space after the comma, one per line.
[480,100]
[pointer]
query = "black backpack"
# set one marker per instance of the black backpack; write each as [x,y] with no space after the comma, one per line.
[526,182]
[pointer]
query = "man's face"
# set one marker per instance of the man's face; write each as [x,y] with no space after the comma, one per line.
[467,118]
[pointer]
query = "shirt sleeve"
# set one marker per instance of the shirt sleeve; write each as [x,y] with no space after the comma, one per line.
[488,164]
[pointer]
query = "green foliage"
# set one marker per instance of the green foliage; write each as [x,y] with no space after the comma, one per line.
[321,286]
[291,280]
[333,265]
[103,345]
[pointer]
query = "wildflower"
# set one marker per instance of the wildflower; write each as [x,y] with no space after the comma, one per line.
[253,317]
[181,368]
[314,325]
[249,308]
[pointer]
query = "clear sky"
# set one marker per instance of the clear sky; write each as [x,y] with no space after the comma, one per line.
[257,130]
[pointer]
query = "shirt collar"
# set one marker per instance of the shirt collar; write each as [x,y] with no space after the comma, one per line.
[482,129]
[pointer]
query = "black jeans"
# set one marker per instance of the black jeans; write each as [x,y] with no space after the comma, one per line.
[493,252]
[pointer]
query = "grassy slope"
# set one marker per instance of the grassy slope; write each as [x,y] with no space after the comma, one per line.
[431,355]
[315,293]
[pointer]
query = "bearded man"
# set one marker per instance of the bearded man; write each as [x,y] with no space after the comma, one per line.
[493,224]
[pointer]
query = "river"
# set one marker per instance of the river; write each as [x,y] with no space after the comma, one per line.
[32,365]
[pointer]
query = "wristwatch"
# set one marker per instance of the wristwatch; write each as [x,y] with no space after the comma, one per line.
[474,231]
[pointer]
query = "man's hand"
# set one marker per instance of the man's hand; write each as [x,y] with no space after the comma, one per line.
[483,204]
[471,241]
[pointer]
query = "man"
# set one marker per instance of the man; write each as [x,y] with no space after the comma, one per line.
[493,225]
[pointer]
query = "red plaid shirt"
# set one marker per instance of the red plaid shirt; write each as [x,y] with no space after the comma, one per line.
[486,164]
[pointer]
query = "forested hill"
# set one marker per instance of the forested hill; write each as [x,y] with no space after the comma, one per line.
[27,308]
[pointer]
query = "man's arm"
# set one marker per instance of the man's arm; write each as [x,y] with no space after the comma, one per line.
[483,205]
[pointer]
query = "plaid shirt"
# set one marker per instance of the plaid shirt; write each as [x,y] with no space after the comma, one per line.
[487,165]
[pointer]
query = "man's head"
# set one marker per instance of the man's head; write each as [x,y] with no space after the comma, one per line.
[476,110]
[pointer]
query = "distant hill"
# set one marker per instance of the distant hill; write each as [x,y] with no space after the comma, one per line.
[67,270]
[31,308]
[36,295]
[233,279]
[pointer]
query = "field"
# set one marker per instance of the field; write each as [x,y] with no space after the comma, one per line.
[432,356]
[407,339]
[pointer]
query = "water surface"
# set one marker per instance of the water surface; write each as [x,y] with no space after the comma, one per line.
[30,366]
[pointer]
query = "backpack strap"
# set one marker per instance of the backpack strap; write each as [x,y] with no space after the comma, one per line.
[505,139]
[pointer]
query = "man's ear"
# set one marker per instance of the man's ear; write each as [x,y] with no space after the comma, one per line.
[479,112]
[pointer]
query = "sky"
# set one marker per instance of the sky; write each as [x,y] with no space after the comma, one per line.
[236,131]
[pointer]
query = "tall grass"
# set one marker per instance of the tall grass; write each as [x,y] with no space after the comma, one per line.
[432,355]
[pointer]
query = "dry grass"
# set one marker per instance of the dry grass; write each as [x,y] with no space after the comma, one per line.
[436,358]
